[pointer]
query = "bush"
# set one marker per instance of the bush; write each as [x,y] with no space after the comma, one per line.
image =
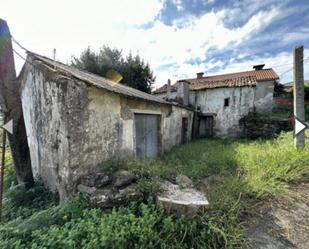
[22,202]
[137,226]
[245,172]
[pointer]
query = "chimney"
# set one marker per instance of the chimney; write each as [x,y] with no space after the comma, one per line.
[183,92]
[168,90]
[258,67]
[199,75]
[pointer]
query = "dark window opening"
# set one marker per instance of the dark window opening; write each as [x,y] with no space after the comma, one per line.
[226,102]
[184,130]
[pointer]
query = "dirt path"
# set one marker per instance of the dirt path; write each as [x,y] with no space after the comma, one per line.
[282,223]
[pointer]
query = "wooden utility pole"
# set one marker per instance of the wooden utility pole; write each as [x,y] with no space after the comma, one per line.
[2,168]
[10,104]
[299,95]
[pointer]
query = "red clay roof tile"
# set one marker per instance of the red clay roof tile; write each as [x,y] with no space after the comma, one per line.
[240,79]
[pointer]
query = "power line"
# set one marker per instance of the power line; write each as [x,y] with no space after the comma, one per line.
[23,48]
[17,43]
[282,65]
[287,64]
[286,72]
[18,54]
[6,42]
[307,58]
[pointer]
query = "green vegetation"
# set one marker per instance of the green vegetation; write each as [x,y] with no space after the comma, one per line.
[265,165]
[9,174]
[135,71]
[242,172]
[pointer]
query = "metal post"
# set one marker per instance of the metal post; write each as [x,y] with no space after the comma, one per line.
[2,168]
[299,96]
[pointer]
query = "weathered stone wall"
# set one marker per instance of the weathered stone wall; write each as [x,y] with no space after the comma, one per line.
[263,100]
[53,109]
[242,100]
[173,95]
[227,117]
[170,138]
[283,103]
[73,127]
[256,127]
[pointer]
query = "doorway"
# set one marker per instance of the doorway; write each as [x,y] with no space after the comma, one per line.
[184,131]
[147,135]
[206,126]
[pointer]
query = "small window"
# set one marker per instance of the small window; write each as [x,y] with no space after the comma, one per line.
[226,102]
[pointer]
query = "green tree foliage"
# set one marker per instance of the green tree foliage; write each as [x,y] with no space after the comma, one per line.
[135,71]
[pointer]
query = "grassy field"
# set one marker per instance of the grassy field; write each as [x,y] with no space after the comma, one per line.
[243,174]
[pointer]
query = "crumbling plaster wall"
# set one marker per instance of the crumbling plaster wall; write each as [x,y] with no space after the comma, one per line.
[242,101]
[264,95]
[226,117]
[53,109]
[173,95]
[72,127]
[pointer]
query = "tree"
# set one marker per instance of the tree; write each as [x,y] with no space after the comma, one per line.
[10,104]
[135,72]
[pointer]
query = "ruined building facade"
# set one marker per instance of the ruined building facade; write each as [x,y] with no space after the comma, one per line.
[222,100]
[76,121]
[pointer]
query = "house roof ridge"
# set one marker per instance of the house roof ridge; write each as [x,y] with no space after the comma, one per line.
[98,81]
[237,79]
[226,74]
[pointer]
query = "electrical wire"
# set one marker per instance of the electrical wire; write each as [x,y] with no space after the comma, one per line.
[22,57]
[17,43]
[22,47]
[307,58]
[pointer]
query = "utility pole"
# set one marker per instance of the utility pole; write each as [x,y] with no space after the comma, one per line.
[2,168]
[299,95]
[10,103]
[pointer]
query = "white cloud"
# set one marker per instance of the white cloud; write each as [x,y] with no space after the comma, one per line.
[178,4]
[72,25]
[191,41]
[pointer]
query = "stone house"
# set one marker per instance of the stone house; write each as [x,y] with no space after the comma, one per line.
[76,121]
[222,100]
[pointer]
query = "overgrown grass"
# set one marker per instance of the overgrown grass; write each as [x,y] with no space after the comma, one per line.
[243,172]
[197,160]
[22,203]
[9,174]
[75,225]
[265,165]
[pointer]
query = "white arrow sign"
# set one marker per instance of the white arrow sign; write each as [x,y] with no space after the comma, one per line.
[299,126]
[8,126]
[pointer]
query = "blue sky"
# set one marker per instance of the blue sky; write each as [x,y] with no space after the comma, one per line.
[178,37]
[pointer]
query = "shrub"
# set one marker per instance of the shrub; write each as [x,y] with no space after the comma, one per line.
[22,202]
[248,171]
[137,226]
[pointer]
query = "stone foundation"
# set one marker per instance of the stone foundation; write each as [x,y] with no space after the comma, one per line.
[256,127]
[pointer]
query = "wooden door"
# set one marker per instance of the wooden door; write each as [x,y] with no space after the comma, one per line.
[147,135]
[206,126]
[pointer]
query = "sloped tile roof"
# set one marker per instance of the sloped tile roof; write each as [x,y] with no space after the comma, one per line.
[97,81]
[201,84]
[240,79]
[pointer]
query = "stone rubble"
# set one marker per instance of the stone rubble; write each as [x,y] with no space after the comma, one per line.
[181,201]
[106,191]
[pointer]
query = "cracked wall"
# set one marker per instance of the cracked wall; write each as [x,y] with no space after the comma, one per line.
[226,120]
[72,127]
